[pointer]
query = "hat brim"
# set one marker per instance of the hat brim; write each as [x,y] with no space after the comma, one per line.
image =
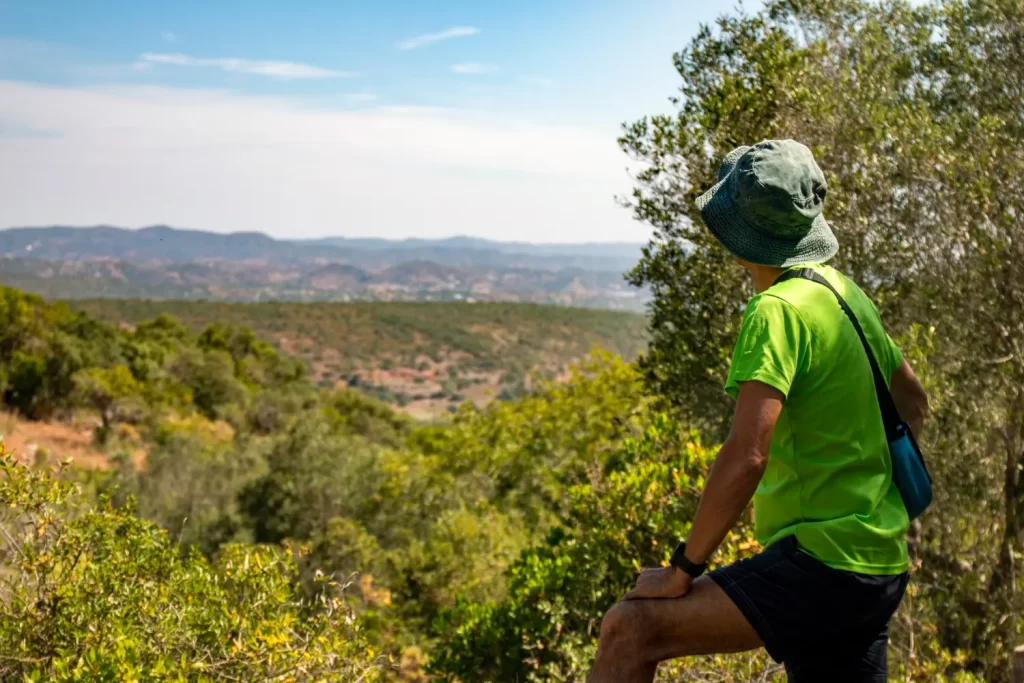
[739,234]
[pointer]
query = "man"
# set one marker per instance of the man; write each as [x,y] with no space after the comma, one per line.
[807,444]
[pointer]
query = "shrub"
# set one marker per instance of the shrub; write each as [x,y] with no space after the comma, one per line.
[546,628]
[97,594]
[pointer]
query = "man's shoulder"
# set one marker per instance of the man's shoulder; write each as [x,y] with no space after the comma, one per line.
[761,303]
[771,316]
[809,297]
[777,300]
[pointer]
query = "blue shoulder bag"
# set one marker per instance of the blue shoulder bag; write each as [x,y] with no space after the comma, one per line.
[908,469]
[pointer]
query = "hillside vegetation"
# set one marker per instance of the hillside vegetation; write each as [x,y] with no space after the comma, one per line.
[422,357]
[241,449]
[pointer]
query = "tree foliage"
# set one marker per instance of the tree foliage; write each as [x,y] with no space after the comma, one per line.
[914,114]
[53,361]
[629,514]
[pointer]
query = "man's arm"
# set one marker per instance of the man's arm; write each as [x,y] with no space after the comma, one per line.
[734,477]
[737,470]
[910,397]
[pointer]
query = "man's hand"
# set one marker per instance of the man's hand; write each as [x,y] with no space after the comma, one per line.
[660,582]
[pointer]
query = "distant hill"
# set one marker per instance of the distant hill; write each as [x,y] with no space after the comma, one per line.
[423,357]
[166,263]
[335,277]
[163,243]
[421,273]
[157,243]
[474,250]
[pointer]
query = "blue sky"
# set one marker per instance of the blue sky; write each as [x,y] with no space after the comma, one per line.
[315,118]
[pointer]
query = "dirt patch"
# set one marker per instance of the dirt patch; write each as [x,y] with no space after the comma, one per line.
[30,441]
[330,355]
[481,394]
[427,409]
[299,346]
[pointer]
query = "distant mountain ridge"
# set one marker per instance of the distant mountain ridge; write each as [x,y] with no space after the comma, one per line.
[594,249]
[152,243]
[160,262]
[163,243]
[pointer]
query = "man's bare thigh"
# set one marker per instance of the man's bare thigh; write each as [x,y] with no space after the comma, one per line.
[704,621]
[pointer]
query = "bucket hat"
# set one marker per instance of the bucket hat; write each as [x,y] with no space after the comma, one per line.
[767,205]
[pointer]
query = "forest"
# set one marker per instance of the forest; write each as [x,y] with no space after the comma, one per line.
[278,530]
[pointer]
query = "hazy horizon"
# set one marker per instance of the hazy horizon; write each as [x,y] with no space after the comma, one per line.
[357,237]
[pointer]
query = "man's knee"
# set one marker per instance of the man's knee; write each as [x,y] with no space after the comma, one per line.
[623,627]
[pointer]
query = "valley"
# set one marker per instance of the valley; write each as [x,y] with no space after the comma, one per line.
[423,358]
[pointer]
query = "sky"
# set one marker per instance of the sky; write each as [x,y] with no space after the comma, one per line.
[347,118]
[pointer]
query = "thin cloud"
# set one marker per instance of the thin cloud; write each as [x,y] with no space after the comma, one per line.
[169,37]
[361,97]
[281,70]
[130,153]
[474,68]
[430,38]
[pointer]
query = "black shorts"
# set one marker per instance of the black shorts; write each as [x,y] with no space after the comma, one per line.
[824,624]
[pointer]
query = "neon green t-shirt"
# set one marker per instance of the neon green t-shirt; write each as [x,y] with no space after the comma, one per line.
[829,476]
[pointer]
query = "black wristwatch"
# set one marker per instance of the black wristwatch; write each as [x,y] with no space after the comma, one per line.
[680,562]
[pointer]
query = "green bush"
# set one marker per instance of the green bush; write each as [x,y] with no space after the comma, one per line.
[193,474]
[313,474]
[557,591]
[26,383]
[97,594]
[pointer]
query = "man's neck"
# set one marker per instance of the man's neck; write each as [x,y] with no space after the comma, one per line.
[763,276]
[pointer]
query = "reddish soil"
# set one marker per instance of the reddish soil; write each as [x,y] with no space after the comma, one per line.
[56,439]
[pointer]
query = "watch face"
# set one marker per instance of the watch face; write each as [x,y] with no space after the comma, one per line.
[679,558]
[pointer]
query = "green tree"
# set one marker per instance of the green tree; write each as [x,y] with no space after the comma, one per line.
[194,472]
[355,413]
[210,378]
[313,475]
[105,390]
[914,115]
[25,382]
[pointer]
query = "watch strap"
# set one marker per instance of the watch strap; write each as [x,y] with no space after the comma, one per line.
[680,562]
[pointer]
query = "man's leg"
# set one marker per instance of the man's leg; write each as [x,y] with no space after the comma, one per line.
[637,634]
[862,664]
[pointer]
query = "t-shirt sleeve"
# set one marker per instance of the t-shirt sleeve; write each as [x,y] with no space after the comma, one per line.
[895,355]
[773,346]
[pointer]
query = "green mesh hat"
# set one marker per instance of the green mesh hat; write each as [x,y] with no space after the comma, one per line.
[766,206]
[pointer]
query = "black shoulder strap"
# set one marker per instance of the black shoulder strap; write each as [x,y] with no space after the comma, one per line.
[890,416]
